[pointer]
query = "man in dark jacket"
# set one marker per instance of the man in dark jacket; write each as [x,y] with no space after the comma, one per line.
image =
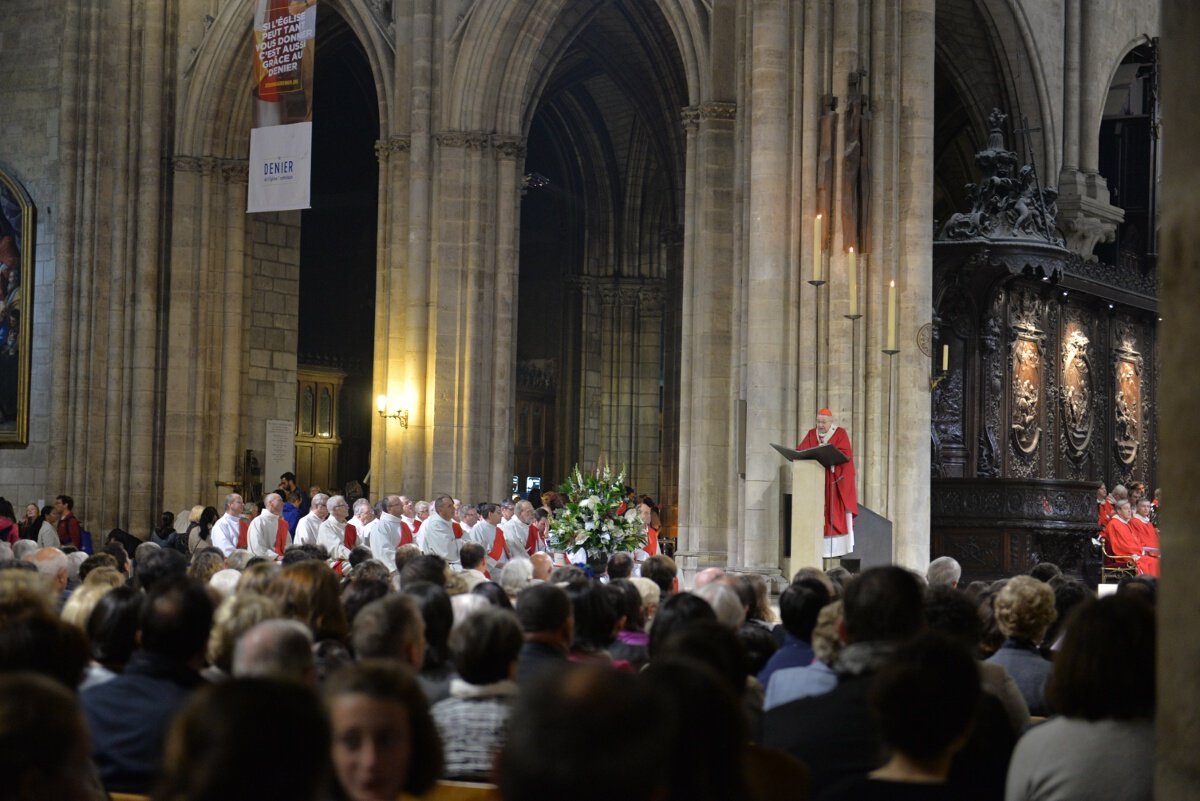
[129,715]
[549,626]
[835,734]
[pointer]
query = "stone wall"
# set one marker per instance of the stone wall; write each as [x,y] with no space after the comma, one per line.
[31,61]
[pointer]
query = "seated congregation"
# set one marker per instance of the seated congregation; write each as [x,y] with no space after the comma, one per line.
[244,678]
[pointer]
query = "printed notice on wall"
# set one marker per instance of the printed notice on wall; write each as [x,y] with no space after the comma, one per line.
[280,455]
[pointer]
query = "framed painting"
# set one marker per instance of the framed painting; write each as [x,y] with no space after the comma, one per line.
[16,318]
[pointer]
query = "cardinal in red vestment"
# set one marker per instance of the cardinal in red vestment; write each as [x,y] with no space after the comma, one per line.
[841,498]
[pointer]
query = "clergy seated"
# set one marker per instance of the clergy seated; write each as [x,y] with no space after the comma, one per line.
[473,720]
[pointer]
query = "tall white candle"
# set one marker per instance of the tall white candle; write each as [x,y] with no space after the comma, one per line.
[891,318]
[945,358]
[853,284]
[817,248]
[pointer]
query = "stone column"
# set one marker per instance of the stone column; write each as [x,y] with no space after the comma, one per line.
[1085,214]
[707,479]
[909,455]
[1178,718]
[509,152]
[389,451]
[768,278]
[647,455]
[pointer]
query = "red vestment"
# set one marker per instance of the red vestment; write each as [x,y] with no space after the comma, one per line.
[282,537]
[1147,537]
[1106,513]
[1125,541]
[840,494]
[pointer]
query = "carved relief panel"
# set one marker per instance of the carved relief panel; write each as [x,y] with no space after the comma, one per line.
[993,370]
[1026,310]
[1127,397]
[1076,393]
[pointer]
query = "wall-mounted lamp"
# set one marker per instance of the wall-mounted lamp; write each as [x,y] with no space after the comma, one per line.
[381,406]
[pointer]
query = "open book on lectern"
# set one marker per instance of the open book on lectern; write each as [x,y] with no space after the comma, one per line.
[825,455]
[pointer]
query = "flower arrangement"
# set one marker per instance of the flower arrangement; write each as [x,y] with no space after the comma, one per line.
[596,517]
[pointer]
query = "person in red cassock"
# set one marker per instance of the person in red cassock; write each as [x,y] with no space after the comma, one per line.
[1126,540]
[841,498]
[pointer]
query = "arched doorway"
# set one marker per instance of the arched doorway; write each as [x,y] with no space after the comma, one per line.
[600,253]
[338,264]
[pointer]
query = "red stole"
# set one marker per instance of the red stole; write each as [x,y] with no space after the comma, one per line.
[416,525]
[651,546]
[282,537]
[351,536]
[243,530]
[840,494]
[457,530]
[406,534]
[497,545]
[531,541]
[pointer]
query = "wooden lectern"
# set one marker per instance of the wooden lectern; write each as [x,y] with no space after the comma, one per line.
[808,503]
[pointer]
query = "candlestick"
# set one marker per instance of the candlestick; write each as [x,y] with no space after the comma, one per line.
[945,358]
[816,279]
[853,315]
[891,319]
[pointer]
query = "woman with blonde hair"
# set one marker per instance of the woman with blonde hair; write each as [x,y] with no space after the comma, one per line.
[1024,610]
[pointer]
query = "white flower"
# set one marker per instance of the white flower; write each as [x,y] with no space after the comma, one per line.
[593,501]
[589,526]
[604,538]
[631,515]
[581,539]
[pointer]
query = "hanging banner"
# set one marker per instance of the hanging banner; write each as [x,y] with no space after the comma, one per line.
[281,139]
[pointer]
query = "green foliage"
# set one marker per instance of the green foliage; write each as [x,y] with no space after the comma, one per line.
[593,518]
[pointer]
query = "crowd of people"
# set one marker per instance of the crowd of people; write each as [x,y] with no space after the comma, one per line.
[368,672]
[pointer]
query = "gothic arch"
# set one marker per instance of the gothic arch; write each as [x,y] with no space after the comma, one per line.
[514,44]
[215,113]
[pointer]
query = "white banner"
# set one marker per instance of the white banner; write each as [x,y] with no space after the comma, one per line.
[280,167]
[281,137]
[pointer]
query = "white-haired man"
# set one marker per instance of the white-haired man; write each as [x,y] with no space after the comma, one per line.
[227,531]
[440,535]
[363,522]
[390,533]
[306,529]
[332,534]
[841,497]
[262,539]
[945,571]
[515,532]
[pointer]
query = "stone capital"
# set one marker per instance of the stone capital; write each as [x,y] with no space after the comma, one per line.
[235,171]
[384,148]
[200,164]
[470,139]
[718,110]
[690,116]
[508,147]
